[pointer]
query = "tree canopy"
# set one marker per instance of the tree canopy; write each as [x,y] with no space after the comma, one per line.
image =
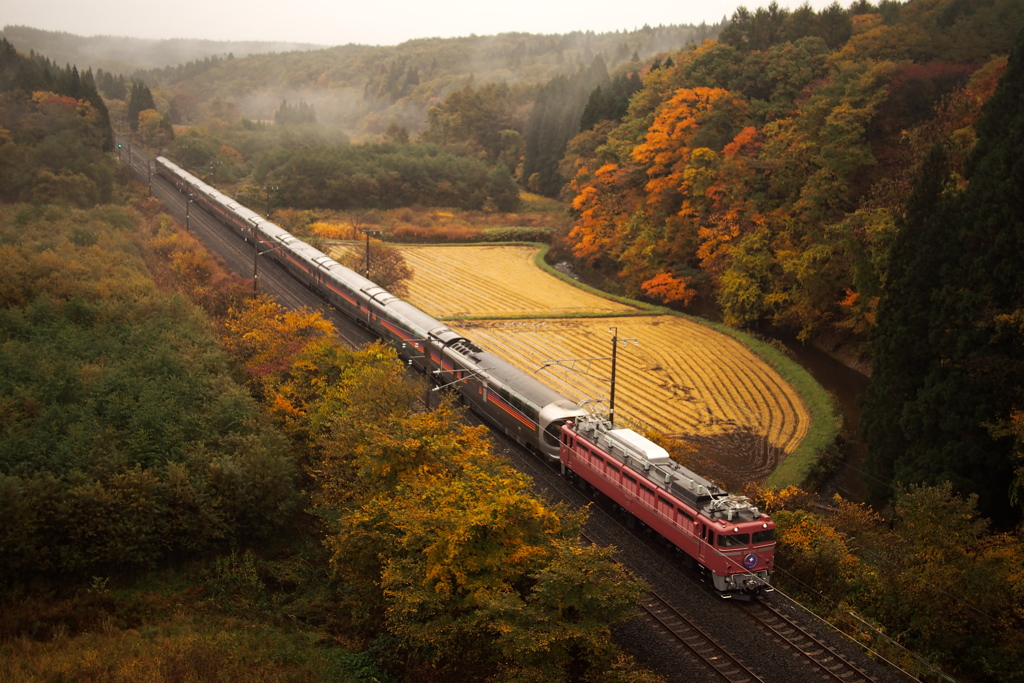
[948,361]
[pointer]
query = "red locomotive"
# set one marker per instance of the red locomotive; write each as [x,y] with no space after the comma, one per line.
[725,536]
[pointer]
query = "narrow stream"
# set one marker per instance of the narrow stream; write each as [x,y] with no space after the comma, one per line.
[846,385]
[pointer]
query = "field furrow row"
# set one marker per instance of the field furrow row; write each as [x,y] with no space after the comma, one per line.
[501,280]
[668,383]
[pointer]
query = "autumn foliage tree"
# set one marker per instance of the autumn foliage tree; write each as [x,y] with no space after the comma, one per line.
[440,544]
[933,576]
[53,139]
[267,337]
[387,267]
[948,356]
[441,547]
[490,120]
[760,176]
[124,438]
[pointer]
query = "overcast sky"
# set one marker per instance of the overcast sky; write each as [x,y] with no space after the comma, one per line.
[368,22]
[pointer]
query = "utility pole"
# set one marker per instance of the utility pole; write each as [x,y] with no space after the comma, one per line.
[426,358]
[427,372]
[213,171]
[260,194]
[255,259]
[268,194]
[615,346]
[256,253]
[460,374]
[368,232]
[583,366]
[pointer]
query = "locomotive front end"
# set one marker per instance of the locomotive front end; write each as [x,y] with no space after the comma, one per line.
[744,547]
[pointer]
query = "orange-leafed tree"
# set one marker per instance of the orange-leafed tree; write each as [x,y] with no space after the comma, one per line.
[604,203]
[387,266]
[464,566]
[267,337]
[438,542]
[681,157]
[694,118]
[669,288]
[731,212]
[155,129]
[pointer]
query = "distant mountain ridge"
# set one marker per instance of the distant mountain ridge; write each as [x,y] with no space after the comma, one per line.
[519,53]
[360,88]
[124,55]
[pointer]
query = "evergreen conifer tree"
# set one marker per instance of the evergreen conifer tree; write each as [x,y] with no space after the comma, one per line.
[902,354]
[141,100]
[555,120]
[948,365]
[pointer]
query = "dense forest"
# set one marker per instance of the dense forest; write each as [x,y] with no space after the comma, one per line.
[767,176]
[53,142]
[195,482]
[849,178]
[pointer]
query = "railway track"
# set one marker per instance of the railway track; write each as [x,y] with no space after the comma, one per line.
[238,254]
[697,641]
[813,650]
[818,660]
[692,638]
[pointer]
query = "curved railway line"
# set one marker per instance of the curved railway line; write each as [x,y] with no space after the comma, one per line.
[689,636]
[822,661]
[238,255]
[826,661]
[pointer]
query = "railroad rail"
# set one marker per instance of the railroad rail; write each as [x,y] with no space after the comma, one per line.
[834,666]
[692,637]
[697,641]
[685,632]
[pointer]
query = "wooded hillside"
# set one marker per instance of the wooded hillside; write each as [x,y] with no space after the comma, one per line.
[196,483]
[126,55]
[766,177]
[361,89]
[850,176]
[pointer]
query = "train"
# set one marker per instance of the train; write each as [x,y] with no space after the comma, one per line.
[724,536]
[519,405]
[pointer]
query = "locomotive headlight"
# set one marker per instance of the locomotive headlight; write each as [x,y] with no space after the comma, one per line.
[735,529]
[764,526]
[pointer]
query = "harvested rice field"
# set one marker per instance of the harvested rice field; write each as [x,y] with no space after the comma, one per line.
[493,281]
[681,378]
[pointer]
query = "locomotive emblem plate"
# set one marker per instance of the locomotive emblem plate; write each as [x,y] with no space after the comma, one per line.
[750,561]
